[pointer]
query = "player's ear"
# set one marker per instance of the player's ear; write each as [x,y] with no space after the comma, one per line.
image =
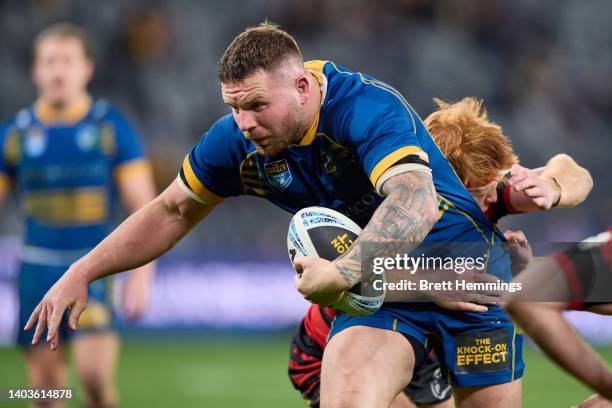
[303,86]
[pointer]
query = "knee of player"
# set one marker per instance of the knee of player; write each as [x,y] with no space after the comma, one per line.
[350,396]
[100,391]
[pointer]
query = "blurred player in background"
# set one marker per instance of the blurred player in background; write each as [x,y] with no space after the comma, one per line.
[68,156]
[484,160]
[581,276]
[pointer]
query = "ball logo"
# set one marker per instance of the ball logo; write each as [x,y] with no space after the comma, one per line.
[278,173]
[342,243]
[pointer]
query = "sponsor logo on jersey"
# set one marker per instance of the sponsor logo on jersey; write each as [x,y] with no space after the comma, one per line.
[278,173]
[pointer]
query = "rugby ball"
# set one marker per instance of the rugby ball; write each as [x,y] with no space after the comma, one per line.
[327,234]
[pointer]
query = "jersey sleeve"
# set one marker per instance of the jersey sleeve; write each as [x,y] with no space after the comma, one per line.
[211,171]
[381,129]
[129,159]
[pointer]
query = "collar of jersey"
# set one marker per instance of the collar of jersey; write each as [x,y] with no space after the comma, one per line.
[316,69]
[70,115]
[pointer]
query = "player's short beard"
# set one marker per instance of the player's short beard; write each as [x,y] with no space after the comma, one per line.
[291,131]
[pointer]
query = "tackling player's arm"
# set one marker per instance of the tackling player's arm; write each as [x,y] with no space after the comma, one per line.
[566,278]
[561,183]
[135,192]
[545,324]
[141,238]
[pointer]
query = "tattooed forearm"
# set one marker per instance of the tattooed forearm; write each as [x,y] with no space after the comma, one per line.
[400,223]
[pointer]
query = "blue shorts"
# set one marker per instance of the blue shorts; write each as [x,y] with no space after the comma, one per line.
[476,349]
[35,280]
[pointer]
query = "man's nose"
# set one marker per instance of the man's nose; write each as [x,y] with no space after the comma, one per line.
[245,121]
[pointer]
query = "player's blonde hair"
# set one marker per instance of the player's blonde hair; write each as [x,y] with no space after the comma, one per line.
[265,47]
[65,30]
[476,148]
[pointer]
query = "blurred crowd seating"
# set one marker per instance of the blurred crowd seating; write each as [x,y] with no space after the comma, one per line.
[542,67]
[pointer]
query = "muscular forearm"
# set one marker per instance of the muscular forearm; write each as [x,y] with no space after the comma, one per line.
[136,192]
[546,325]
[143,237]
[575,181]
[400,223]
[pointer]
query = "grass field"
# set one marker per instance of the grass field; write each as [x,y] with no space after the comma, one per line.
[248,371]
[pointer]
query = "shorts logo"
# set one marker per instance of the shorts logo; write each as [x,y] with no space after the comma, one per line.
[439,388]
[36,141]
[278,173]
[482,352]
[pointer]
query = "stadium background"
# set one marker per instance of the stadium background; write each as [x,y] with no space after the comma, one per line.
[223,305]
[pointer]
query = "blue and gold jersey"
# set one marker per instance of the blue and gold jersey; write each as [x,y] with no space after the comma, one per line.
[65,173]
[365,133]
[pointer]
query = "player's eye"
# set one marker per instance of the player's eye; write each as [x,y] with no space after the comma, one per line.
[258,106]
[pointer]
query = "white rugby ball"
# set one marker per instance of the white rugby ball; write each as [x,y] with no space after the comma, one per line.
[327,234]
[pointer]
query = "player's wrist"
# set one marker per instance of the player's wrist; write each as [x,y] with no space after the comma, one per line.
[342,281]
[78,271]
[556,199]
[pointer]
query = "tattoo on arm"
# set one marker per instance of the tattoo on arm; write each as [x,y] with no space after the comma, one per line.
[400,223]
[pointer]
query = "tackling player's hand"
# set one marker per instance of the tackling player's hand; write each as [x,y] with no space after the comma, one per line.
[519,250]
[543,191]
[69,292]
[464,300]
[318,280]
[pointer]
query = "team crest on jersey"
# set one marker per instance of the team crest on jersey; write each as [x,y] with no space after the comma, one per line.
[278,173]
[36,141]
[87,137]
